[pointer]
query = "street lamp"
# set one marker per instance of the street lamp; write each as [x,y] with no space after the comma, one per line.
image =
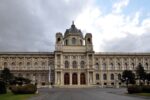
[146,81]
[126,81]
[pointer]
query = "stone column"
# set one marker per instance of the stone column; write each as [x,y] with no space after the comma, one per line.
[87,78]
[87,59]
[94,78]
[70,78]
[91,78]
[55,77]
[59,78]
[129,64]
[78,78]
[92,60]
[62,78]
[122,66]
[108,72]
[116,80]
[108,78]
[78,63]
[102,80]
[115,64]
[61,61]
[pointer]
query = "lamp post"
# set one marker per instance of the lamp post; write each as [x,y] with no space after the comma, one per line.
[127,81]
[146,82]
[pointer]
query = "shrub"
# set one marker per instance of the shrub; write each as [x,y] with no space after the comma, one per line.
[26,89]
[146,88]
[3,88]
[134,89]
[19,81]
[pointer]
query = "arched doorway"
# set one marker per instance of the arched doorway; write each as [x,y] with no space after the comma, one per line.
[82,79]
[74,79]
[66,79]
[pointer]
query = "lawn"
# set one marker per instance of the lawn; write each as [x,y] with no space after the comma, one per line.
[11,96]
[144,94]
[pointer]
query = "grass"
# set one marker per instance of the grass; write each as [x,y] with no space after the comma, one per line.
[11,96]
[144,94]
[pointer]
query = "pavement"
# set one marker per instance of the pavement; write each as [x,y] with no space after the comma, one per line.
[85,94]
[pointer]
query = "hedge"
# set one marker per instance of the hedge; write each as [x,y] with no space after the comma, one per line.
[25,89]
[3,88]
[146,88]
[138,89]
[134,89]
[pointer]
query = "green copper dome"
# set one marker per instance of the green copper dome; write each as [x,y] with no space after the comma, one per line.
[73,31]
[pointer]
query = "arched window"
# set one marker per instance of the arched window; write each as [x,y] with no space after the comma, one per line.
[13,64]
[28,63]
[97,66]
[66,79]
[146,66]
[104,76]
[66,42]
[111,66]
[82,64]
[20,63]
[43,63]
[35,63]
[89,40]
[133,66]
[119,67]
[104,66]
[74,78]
[66,64]
[97,76]
[81,42]
[58,40]
[5,64]
[126,66]
[119,76]
[112,76]
[74,64]
[73,41]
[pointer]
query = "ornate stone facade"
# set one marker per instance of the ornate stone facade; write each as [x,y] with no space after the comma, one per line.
[73,63]
[34,66]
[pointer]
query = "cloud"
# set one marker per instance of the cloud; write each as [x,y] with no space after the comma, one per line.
[118,6]
[29,25]
[112,31]
[130,43]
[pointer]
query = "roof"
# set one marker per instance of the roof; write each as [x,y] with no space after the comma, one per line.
[26,53]
[123,53]
[73,31]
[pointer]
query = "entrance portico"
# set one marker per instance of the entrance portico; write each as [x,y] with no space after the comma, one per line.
[74,78]
[74,59]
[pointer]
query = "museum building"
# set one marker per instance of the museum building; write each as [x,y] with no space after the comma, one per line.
[73,63]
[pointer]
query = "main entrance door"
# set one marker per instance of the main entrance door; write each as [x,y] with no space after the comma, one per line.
[82,79]
[74,79]
[66,79]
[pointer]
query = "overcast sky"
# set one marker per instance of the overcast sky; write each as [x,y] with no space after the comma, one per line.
[116,25]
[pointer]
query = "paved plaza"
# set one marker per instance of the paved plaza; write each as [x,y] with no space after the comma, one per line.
[85,94]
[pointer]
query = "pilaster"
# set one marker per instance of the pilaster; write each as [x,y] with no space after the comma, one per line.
[78,78]
[70,78]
